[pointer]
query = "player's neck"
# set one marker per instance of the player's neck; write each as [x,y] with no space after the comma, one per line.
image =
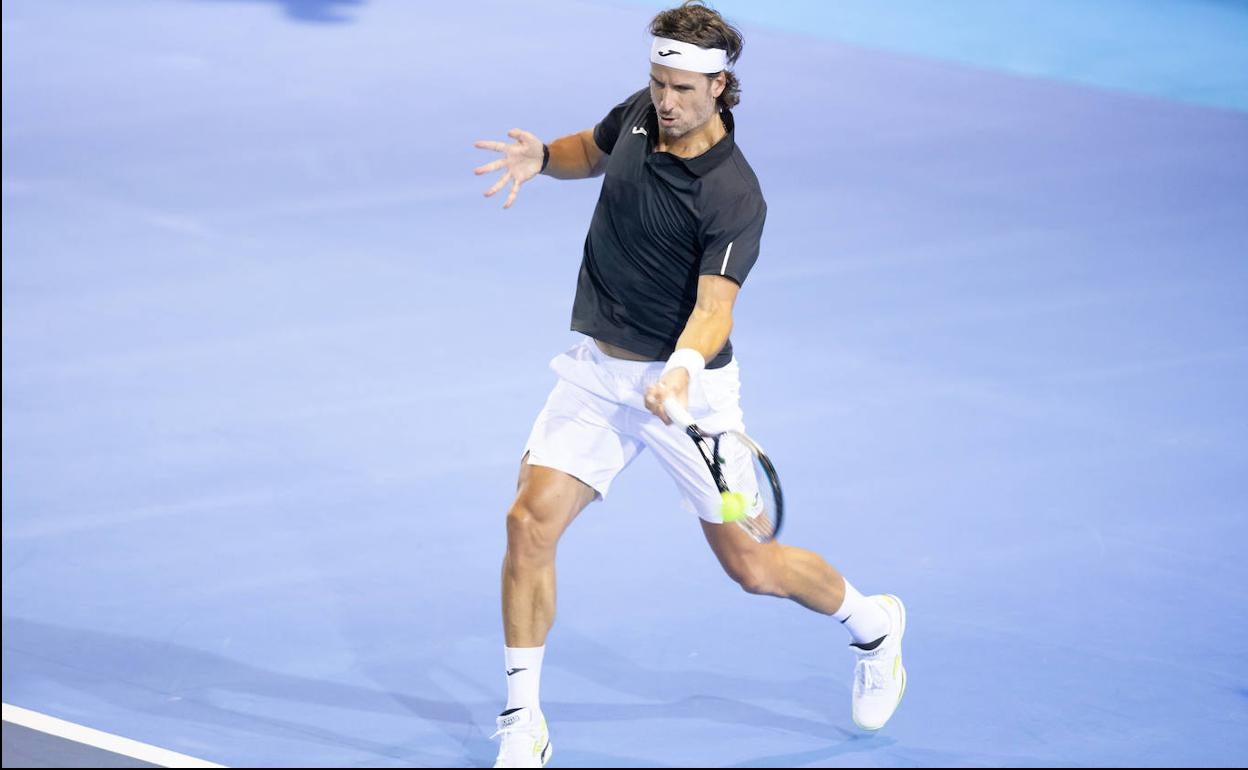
[696,141]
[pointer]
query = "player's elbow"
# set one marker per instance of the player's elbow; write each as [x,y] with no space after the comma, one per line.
[595,159]
[714,315]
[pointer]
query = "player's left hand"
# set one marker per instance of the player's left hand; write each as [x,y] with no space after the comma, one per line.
[521,161]
[674,384]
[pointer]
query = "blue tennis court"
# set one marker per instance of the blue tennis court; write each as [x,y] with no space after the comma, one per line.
[270,359]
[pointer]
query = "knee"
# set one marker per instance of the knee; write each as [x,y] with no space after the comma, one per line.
[754,578]
[529,536]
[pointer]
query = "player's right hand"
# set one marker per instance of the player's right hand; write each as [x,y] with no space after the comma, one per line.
[674,385]
[521,161]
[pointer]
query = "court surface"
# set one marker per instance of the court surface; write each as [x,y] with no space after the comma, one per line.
[270,359]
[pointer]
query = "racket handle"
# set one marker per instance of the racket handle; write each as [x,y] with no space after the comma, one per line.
[678,413]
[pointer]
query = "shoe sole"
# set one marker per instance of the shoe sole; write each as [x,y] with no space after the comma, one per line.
[901,610]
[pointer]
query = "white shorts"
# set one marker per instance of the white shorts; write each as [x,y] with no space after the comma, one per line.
[595,423]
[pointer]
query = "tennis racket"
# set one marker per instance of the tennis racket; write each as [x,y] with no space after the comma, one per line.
[745,476]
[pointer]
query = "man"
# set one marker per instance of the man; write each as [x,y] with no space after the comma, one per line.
[675,232]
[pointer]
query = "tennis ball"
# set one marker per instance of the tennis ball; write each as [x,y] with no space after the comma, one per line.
[732,506]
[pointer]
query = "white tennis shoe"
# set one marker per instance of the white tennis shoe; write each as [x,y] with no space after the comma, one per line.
[525,740]
[879,677]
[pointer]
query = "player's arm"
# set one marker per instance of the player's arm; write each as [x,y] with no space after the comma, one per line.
[710,323]
[576,156]
[704,335]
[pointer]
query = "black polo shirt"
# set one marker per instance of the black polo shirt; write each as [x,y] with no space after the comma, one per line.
[661,222]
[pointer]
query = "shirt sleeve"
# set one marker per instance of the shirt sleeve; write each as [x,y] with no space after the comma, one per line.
[731,237]
[608,129]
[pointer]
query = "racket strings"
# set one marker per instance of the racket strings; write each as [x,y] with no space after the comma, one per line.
[737,465]
[746,473]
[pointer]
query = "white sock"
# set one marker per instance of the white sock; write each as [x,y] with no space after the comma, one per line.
[524,676]
[865,620]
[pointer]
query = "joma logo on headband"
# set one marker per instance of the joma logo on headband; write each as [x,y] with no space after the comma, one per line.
[668,52]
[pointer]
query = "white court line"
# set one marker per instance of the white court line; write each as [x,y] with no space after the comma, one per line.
[114,743]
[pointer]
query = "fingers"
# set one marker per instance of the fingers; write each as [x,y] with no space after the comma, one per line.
[654,402]
[488,167]
[526,139]
[515,188]
[523,138]
[502,180]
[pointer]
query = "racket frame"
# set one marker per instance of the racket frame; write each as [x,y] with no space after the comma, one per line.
[708,447]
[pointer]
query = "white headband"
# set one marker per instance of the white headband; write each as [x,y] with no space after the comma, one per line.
[684,56]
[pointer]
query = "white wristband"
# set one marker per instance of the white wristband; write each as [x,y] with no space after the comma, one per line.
[688,359]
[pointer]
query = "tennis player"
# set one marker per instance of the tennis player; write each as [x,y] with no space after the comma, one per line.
[675,233]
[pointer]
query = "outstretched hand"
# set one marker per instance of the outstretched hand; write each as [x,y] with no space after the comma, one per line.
[521,161]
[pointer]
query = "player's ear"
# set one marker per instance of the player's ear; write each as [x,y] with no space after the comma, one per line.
[718,84]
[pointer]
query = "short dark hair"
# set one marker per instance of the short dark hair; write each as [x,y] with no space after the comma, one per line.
[695,23]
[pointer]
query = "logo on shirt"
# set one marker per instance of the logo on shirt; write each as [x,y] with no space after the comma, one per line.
[669,52]
[639,130]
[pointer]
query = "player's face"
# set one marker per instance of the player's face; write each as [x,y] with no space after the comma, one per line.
[684,101]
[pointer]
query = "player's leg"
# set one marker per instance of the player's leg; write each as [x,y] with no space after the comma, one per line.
[547,500]
[875,623]
[572,455]
[775,569]
[771,568]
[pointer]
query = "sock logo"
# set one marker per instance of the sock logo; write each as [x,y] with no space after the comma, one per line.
[511,671]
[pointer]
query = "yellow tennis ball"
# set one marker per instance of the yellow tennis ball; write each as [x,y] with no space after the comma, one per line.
[732,506]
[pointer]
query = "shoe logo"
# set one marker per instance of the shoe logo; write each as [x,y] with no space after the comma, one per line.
[669,52]
[508,721]
[545,749]
[511,671]
[639,130]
